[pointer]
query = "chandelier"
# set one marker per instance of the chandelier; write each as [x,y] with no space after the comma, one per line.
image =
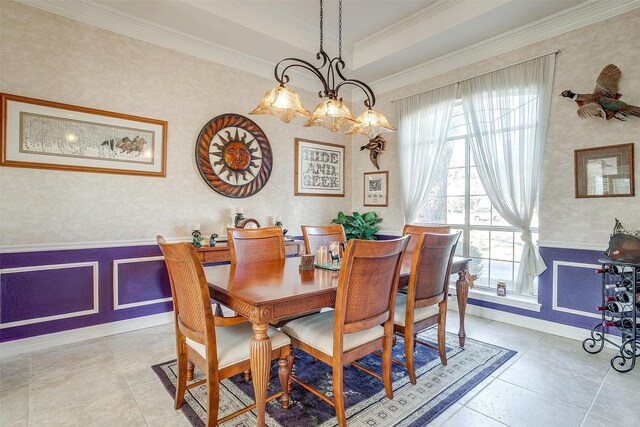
[331,113]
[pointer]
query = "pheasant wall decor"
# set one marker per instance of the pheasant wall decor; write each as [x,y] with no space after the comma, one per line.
[375,146]
[605,99]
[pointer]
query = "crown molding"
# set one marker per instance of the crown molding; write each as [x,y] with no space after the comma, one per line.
[581,15]
[420,16]
[109,19]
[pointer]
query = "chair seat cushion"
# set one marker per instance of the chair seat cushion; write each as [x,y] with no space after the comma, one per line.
[233,343]
[418,313]
[317,332]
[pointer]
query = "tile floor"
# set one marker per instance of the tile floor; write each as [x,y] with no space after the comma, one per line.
[108,381]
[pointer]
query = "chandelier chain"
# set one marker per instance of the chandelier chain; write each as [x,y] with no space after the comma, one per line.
[321,24]
[340,29]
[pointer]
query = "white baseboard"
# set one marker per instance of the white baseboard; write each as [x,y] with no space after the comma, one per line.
[12,348]
[559,329]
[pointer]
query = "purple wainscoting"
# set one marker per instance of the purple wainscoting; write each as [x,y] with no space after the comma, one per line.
[34,287]
[38,293]
[134,278]
[50,292]
[577,289]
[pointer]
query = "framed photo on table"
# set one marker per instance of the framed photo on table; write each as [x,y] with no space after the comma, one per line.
[604,171]
[376,188]
[48,135]
[318,168]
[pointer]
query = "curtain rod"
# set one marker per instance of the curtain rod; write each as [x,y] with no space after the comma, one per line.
[477,75]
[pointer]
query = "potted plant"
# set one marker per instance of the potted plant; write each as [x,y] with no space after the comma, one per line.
[359,226]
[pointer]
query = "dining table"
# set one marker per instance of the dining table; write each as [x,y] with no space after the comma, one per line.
[268,292]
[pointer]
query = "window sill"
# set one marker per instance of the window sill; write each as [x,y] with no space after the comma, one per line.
[525,303]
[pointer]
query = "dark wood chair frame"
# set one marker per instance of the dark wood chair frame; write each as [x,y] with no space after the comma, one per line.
[346,305]
[185,254]
[435,284]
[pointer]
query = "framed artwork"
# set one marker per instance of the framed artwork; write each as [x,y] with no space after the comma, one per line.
[604,171]
[319,168]
[376,188]
[49,135]
[234,156]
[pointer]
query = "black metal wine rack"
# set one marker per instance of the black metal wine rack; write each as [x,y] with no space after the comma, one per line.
[620,302]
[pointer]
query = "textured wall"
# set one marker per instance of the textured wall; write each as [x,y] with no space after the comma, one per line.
[583,54]
[49,57]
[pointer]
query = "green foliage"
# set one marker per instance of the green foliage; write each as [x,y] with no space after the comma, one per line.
[359,226]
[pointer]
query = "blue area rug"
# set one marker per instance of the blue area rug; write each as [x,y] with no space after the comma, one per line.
[437,388]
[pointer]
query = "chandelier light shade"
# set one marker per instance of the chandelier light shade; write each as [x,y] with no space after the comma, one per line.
[331,113]
[282,102]
[371,124]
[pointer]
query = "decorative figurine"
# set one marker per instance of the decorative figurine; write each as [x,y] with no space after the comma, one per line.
[239,217]
[197,238]
[605,99]
[279,224]
[375,146]
[212,240]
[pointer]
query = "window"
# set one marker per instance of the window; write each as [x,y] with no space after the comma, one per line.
[458,198]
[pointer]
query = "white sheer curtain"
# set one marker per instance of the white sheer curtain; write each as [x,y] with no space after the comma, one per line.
[507,113]
[423,123]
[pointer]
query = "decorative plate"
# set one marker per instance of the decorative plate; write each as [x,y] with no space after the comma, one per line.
[234,156]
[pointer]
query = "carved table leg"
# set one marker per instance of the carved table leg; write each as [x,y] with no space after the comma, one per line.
[462,291]
[260,355]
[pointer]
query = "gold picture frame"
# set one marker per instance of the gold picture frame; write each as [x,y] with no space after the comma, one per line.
[41,134]
[376,189]
[604,171]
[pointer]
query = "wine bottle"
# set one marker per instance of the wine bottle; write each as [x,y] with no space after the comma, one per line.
[616,287]
[619,307]
[625,323]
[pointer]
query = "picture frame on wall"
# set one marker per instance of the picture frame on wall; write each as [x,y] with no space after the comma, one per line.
[318,168]
[376,189]
[42,134]
[604,171]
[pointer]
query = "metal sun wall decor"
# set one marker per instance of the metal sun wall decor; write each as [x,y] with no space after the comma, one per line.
[234,156]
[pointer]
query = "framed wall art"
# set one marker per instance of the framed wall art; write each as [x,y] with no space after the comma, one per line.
[319,168]
[376,188]
[49,135]
[604,171]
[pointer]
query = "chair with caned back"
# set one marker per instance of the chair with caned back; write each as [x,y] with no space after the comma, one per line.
[425,303]
[415,231]
[316,236]
[365,299]
[219,346]
[256,244]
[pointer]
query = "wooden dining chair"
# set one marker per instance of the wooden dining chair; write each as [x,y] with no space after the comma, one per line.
[365,299]
[218,346]
[414,232]
[425,303]
[321,235]
[256,244]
